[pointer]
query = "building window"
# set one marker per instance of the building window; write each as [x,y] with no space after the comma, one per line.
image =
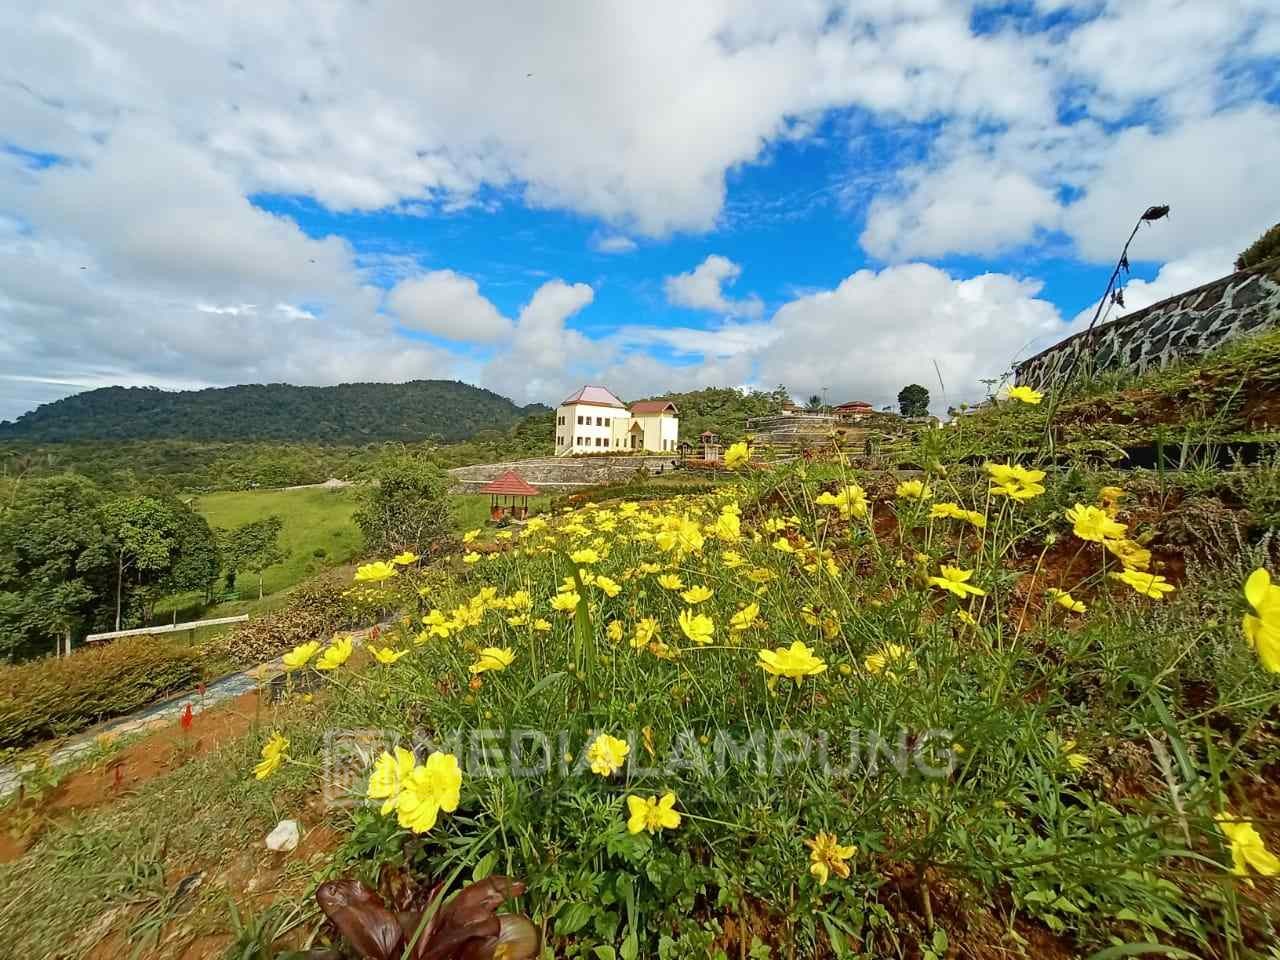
[597,441]
[599,421]
[606,441]
[606,421]
[579,421]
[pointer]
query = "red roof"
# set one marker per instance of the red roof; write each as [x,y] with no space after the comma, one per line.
[512,484]
[653,406]
[855,405]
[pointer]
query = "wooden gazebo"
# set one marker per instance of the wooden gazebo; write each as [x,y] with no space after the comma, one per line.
[509,496]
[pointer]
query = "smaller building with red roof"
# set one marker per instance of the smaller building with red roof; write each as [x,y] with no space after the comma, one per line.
[509,496]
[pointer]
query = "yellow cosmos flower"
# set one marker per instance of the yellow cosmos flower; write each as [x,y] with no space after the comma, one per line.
[493,658]
[967,618]
[300,655]
[680,534]
[1151,585]
[1025,394]
[893,660]
[1066,601]
[584,557]
[273,756]
[956,581]
[850,501]
[913,490]
[1110,498]
[542,626]
[471,557]
[696,626]
[335,655]
[610,587]
[427,790]
[1132,554]
[405,559]
[744,618]
[671,581]
[783,545]
[1015,482]
[695,595]
[470,535]
[652,814]
[385,655]
[827,856]
[797,661]
[646,630]
[614,630]
[948,510]
[375,572]
[1092,524]
[738,455]
[1076,761]
[1262,626]
[566,601]
[607,754]
[731,559]
[389,773]
[727,528]
[1247,847]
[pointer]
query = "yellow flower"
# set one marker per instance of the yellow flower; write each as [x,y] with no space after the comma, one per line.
[797,661]
[584,557]
[745,617]
[783,545]
[614,630]
[470,535]
[1076,761]
[1015,482]
[427,790]
[956,581]
[1025,395]
[389,773]
[1066,601]
[471,557]
[607,754]
[913,490]
[695,595]
[826,857]
[542,626]
[300,655]
[565,601]
[652,814]
[1151,585]
[851,501]
[610,587]
[493,658]
[405,559]
[681,535]
[948,510]
[728,528]
[375,572]
[670,581]
[696,626]
[385,655]
[738,455]
[335,655]
[646,630]
[272,756]
[892,659]
[732,559]
[1132,554]
[1247,847]
[1093,524]
[967,618]
[1110,498]
[1262,626]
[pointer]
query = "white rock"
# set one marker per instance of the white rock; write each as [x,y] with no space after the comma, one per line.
[284,837]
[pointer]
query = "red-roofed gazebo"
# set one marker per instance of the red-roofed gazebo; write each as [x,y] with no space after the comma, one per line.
[509,496]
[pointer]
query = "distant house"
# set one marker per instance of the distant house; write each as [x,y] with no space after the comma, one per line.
[853,410]
[593,420]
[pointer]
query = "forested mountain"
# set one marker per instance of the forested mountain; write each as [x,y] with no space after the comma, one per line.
[349,413]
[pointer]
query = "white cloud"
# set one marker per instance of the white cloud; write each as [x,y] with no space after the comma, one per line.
[702,288]
[449,305]
[613,243]
[1175,277]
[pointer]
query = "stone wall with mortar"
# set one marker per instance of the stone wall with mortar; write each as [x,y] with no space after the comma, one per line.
[1187,325]
[557,474]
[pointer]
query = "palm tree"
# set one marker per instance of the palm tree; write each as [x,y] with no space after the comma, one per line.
[814,403]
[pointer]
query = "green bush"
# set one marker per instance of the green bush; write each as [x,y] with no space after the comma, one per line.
[315,610]
[55,697]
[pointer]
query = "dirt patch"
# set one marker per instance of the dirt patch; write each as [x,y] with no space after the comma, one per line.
[155,755]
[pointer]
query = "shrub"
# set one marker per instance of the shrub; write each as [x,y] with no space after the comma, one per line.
[315,610]
[407,509]
[54,697]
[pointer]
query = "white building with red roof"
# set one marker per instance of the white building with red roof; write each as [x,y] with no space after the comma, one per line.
[593,420]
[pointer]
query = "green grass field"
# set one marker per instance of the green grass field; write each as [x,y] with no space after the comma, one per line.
[314,519]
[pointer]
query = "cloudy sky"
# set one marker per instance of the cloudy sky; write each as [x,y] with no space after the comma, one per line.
[653,196]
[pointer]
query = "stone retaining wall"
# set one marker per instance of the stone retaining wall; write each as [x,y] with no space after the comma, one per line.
[1188,325]
[557,474]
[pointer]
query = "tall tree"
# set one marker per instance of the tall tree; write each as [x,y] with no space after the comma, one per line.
[814,403]
[145,544]
[199,560]
[55,563]
[913,401]
[407,509]
[255,546]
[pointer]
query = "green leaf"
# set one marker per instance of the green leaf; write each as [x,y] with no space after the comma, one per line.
[1137,950]
[484,866]
[574,917]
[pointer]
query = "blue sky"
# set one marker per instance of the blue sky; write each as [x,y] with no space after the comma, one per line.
[826,195]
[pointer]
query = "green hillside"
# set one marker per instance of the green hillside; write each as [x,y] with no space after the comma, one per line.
[349,413]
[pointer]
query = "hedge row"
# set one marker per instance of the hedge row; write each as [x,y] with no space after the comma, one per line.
[55,697]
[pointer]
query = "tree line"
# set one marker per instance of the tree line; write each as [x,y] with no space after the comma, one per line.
[76,560]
